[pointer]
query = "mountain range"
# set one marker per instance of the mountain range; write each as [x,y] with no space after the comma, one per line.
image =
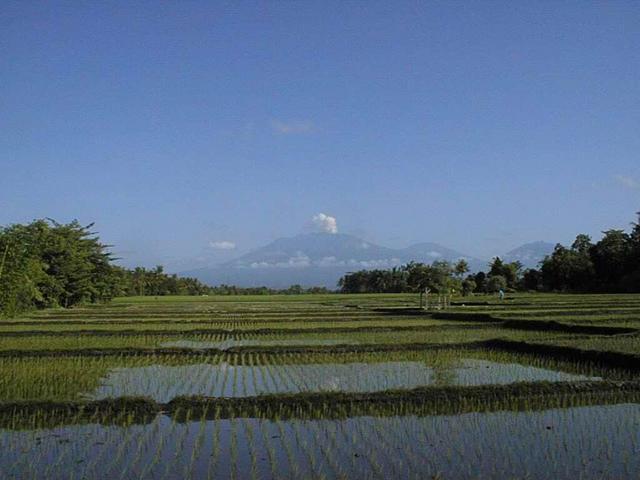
[320,259]
[529,254]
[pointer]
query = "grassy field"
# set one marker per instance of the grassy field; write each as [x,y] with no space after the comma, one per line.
[323,386]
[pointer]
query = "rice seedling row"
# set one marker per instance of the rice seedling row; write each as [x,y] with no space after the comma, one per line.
[265,327]
[586,442]
[323,386]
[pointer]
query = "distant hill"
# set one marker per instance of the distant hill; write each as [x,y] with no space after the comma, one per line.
[429,252]
[530,254]
[320,259]
[317,249]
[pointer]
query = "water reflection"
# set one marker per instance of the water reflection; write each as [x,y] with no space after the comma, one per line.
[165,382]
[230,343]
[584,442]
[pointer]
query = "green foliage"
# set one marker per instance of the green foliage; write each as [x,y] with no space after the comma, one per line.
[468,286]
[611,265]
[612,259]
[47,264]
[412,277]
[531,280]
[509,271]
[568,269]
[496,283]
[501,276]
[461,267]
[394,280]
[437,277]
[481,282]
[154,282]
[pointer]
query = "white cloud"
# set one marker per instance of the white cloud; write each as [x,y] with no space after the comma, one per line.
[325,223]
[260,265]
[222,245]
[382,263]
[292,127]
[301,260]
[353,263]
[297,261]
[329,262]
[627,182]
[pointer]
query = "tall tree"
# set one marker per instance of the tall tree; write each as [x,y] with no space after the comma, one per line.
[461,267]
[612,259]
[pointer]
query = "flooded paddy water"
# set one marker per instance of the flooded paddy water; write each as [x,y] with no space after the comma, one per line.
[585,442]
[417,398]
[163,378]
[162,382]
[231,343]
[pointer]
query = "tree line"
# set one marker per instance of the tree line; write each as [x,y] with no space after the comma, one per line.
[155,282]
[611,265]
[47,264]
[439,277]
[608,266]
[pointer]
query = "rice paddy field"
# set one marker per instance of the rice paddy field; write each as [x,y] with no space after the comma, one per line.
[323,386]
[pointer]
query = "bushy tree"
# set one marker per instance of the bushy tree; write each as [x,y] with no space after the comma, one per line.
[461,267]
[437,277]
[532,280]
[46,263]
[509,271]
[496,283]
[610,265]
[49,264]
[481,282]
[468,286]
[412,277]
[612,259]
[393,280]
[569,269]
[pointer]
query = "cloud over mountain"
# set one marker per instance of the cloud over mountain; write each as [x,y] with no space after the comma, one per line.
[222,245]
[320,258]
[325,223]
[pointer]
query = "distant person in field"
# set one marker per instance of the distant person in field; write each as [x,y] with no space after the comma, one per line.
[501,294]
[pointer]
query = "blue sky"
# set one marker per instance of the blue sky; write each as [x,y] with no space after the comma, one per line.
[184,129]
